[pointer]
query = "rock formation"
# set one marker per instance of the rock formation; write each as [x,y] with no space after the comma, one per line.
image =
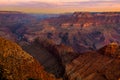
[16,64]
[84,31]
[96,65]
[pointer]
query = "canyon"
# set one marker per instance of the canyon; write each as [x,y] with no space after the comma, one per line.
[75,46]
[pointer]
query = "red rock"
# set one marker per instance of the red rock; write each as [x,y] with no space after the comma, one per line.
[111,50]
[16,64]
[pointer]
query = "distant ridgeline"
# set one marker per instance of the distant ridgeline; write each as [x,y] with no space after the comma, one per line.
[83,31]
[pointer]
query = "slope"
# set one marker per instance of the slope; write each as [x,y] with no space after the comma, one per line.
[16,64]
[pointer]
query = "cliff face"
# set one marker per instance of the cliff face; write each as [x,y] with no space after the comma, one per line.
[112,50]
[46,57]
[101,65]
[82,31]
[49,54]
[16,64]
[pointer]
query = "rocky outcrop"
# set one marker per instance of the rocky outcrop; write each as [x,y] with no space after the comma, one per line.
[96,65]
[111,50]
[16,64]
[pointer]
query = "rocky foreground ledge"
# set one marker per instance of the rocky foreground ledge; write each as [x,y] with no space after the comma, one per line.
[101,65]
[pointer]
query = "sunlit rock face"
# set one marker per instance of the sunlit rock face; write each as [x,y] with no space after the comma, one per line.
[112,50]
[16,64]
[101,65]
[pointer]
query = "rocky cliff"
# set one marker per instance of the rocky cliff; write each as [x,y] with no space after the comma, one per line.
[49,54]
[101,65]
[16,64]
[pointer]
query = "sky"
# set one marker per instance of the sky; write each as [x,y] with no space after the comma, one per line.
[60,6]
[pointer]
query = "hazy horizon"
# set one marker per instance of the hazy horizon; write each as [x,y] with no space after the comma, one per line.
[60,6]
